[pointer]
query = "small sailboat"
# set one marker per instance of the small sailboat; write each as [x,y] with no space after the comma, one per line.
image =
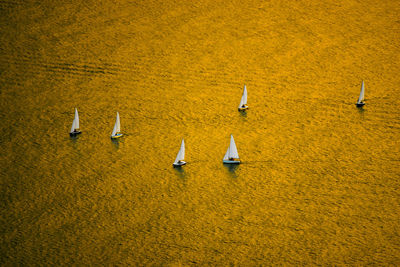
[75,125]
[179,161]
[117,129]
[243,102]
[231,155]
[360,101]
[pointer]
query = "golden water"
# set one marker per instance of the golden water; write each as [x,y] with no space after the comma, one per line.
[319,183]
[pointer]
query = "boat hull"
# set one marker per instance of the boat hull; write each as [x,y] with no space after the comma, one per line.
[116,136]
[231,161]
[178,164]
[360,104]
[73,134]
[243,108]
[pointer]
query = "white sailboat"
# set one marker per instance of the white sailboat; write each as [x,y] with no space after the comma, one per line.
[360,101]
[75,125]
[117,129]
[179,161]
[231,155]
[243,102]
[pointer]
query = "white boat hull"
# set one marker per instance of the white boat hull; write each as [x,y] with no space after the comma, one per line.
[179,163]
[116,136]
[243,108]
[231,161]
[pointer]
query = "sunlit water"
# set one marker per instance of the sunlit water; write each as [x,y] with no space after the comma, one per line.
[319,183]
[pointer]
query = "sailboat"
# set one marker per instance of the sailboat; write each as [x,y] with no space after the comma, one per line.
[243,102]
[179,161]
[75,125]
[117,129]
[360,102]
[231,155]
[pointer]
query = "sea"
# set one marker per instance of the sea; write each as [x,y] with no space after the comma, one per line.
[319,180]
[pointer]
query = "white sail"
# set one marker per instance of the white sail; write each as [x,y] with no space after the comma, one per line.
[117,126]
[76,119]
[73,126]
[226,154]
[232,150]
[118,123]
[233,153]
[181,153]
[243,101]
[114,130]
[75,122]
[361,97]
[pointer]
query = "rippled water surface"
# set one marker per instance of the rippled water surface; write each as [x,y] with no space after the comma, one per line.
[319,183]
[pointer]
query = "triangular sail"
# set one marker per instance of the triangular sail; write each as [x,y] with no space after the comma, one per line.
[226,154]
[117,122]
[75,122]
[181,153]
[233,153]
[114,130]
[76,119]
[243,101]
[117,126]
[232,150]
[73,126]
[361,97]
